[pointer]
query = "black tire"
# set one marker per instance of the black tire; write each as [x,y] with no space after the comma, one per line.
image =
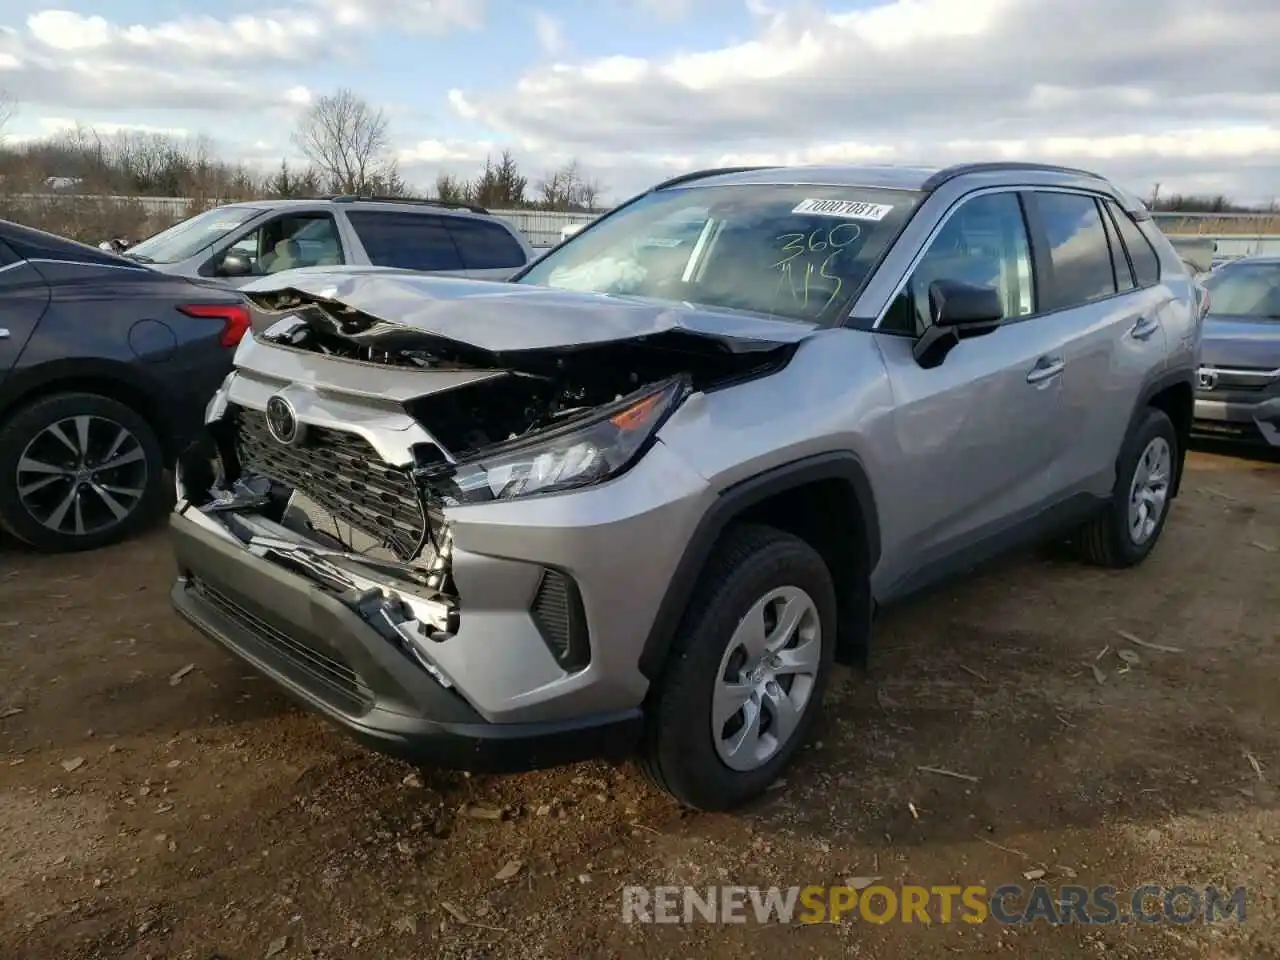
[678,753]
[29,422]
[1105,540]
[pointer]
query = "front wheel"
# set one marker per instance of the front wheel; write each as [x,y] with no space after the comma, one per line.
[78,471]
[1125,532]
[746,674]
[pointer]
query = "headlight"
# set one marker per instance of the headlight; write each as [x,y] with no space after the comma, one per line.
[575,455]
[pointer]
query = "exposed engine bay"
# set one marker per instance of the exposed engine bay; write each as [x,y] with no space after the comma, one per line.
[543,389]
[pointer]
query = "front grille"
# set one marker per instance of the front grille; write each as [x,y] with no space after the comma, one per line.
[327,673]
[558,614]
[343,474]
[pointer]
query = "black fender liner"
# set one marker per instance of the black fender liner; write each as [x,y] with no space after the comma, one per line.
[1156,385]
[842,465]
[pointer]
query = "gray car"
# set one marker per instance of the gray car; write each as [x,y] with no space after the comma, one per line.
[640,500]
[1238,388]
[239,242]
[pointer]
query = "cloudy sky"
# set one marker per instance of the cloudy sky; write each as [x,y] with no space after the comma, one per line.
[1181,92]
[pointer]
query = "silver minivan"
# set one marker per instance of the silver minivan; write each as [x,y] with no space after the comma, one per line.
[240,241]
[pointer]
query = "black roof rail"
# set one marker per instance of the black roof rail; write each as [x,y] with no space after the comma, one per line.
[702,174]
[995,166]
[424,201]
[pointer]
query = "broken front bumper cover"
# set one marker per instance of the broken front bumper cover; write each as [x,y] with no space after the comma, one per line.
[311,620]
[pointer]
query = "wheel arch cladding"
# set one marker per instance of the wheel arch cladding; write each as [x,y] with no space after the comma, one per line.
[827,501]
[103,378]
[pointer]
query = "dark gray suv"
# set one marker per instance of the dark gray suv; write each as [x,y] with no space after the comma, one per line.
[240,241]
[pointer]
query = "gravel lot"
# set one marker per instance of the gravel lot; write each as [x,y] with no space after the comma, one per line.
[158,801]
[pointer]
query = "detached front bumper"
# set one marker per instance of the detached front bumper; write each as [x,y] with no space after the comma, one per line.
[312,642]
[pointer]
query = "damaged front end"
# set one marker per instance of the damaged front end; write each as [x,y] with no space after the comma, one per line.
[343,441]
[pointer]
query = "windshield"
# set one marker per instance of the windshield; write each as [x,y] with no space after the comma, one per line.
[189,237]
[794,252]
[1245,290]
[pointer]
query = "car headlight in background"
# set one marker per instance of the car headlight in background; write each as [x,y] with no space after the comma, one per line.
[575,455]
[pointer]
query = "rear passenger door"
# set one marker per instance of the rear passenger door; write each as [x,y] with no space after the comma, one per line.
[409,241]
[1116,339]
[489,250]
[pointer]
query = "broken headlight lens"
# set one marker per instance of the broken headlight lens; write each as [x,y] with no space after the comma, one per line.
[575,455]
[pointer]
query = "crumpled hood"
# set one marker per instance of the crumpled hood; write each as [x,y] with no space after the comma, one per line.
[505,317]
[1240,342]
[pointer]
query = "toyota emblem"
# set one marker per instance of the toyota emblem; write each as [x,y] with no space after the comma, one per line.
[282,421]
[1207,378]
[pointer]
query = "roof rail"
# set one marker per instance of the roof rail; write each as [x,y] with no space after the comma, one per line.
[424,201]
[702,174]
[995,166]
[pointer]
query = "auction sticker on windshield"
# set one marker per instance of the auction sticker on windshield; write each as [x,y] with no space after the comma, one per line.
[848,209]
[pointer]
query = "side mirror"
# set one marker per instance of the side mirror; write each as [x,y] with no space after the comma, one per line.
[234,265]
[959,309]
[955,303]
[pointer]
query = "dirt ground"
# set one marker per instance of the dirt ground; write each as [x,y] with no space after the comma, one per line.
[158,801]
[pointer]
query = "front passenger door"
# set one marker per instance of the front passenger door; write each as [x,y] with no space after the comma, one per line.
[978,435]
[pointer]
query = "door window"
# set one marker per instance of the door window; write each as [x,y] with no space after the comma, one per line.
[411,241]
[296,240]
[483,245]
[1078,250]
[983,242]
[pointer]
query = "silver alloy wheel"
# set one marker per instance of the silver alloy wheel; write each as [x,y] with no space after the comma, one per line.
[766,677]
[82,475]
[1149,491]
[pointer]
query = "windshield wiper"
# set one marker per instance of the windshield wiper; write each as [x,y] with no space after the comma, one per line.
[140,258]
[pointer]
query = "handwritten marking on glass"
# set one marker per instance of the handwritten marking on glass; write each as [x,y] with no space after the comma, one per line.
[798,256]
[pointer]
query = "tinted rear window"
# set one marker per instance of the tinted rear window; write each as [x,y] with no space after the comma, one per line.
[1146,265]
[483,245]
[406,240]
[1082,268]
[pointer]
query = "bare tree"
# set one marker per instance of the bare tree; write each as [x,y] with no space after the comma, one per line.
[8,110]
[568,188]
[347,140]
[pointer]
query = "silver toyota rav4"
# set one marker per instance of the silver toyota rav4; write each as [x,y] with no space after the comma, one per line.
[638,501]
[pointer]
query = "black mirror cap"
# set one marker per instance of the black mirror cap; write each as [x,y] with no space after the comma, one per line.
[957,303]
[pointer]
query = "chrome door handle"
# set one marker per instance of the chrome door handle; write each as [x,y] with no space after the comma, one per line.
[4,334]
[1046,368]
[1144,329]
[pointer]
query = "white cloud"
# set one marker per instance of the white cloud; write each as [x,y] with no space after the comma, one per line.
[283,35]
[1182,92]
[549,31]
[1174,90]
[413,16]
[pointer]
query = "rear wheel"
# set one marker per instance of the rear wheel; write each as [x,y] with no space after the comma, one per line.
[746,675]
[1128,528]
[78,471]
